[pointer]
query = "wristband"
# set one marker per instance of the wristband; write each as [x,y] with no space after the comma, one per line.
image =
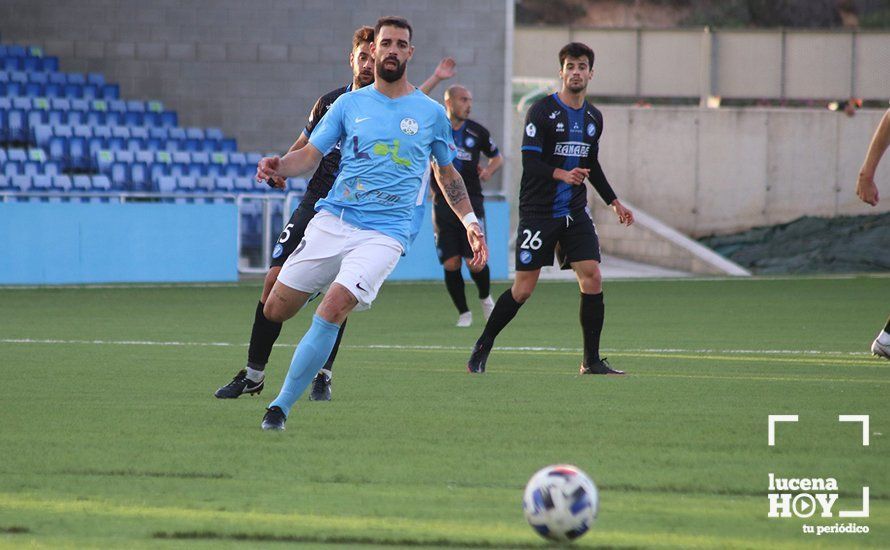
[470,218]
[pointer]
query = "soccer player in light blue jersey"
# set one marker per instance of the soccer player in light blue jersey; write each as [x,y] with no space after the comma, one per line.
[387,132]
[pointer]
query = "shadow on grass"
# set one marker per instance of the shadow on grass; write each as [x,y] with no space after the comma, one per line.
[137,473]
[14,530]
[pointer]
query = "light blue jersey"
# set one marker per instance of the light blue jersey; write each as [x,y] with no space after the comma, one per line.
[385,146]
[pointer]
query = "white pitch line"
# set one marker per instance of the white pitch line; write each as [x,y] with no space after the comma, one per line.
[435,347]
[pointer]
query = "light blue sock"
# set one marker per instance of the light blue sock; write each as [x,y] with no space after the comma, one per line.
[309,357]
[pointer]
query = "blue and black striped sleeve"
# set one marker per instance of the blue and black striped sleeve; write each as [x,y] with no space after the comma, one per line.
[533,144]
[597,177]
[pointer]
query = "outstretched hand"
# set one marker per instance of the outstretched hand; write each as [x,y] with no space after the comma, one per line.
[477,243]
[445,69]
[267,169]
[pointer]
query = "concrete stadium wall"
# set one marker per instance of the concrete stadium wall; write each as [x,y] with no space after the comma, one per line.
[797,64]
[255,68]
[707,171]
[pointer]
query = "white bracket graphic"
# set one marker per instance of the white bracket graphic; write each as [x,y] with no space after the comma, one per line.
[860,513]
[773,418]
[857,418]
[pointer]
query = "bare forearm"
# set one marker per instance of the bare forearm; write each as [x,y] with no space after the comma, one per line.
[495,164]
[300,143]
[879,143]
[455,192]
[429,84]
[300,161]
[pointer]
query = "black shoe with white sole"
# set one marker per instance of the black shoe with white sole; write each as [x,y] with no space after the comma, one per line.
[239,386]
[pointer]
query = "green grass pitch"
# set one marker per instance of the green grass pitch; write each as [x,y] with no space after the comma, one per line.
[111,437]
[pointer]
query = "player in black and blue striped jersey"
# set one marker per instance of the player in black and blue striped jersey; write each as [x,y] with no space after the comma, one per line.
[560,149]
[472,141]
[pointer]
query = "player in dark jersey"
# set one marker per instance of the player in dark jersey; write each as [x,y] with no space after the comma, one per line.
[472,140]
[251,379]
[559,151]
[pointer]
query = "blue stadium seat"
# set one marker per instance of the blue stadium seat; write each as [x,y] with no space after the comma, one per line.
[228,145]
[224,185]
[60,103]
[95,78]
[114,118]
[38,77]
[104,159]
[21,183]
[134,118]
[100,182]
[5,184]
[159,133]
[166,184]
[186,184]
[213,133]
[139,132]
[3,156]
[58,78]
[206,184]
[140,180]
[50,64]
[42,135]
[76,78]
[42,183]
[13,168]
[81,183]
[62,182]
[117,105]
[146,157]
[110,91]
[16,155]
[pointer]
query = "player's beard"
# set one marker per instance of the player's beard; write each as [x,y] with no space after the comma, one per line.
[390,75]
[577,88]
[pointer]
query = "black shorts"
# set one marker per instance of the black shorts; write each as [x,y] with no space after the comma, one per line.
[451,235]
[292,234]
[573,239]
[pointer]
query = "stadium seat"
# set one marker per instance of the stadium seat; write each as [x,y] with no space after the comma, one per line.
[13,168]
[166,185]
[20,183]
[224,185]
[3,156]
[5,184]
[61,182]
[95,78]
[100,182]
[81,183]
[42,183]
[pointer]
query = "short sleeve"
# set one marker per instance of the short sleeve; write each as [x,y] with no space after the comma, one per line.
[330,128]
[315,115]
[533,133]
[488,147]
[442,147]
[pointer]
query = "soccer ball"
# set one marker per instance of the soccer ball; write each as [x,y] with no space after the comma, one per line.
[560,502]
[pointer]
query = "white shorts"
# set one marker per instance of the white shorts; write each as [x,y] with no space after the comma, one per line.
[333,251]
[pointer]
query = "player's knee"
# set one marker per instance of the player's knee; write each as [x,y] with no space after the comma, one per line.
[592,283]
[475,269]
[452,264]
[269,282]
[522,293]
[274,312]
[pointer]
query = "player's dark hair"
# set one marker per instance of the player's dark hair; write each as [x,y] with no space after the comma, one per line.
[575,49]
[393,21]
[363,35]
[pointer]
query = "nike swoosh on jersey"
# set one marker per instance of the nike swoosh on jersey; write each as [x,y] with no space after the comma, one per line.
[357,119]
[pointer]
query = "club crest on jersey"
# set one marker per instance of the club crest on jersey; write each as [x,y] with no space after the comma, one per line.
[469,142]
[531,130]
[591,129]
[571,149]
[525,257]
[408,126]
[277,251]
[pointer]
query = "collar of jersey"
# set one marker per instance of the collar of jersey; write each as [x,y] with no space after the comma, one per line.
[566,107]
[385,97]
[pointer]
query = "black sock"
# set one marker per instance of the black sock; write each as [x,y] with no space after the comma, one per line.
[504,311]
[483,282]
[592,313]
[262,338]
[887,326]
[330,363]
[454,282]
